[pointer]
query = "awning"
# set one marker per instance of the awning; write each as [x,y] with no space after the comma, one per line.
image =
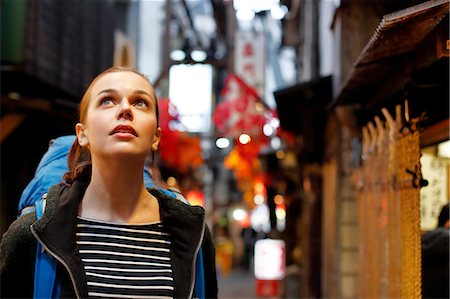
[393,53]
[302,110]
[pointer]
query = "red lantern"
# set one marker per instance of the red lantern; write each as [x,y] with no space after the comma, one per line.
[195,198]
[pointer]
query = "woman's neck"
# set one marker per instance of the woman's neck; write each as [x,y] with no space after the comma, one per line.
[117,193]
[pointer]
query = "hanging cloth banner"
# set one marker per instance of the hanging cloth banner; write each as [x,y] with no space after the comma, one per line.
[240,110]
[249,59]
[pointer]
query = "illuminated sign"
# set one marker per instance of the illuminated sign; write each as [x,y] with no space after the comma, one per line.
[270,258]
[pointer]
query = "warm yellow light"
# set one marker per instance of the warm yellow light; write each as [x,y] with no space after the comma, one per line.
[259,188]
[244,138]
[280,155]
[239,214]
[278,199]
[280,213]
[259,107]
[171,181]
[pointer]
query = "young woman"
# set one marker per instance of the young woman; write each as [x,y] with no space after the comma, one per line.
[112,237]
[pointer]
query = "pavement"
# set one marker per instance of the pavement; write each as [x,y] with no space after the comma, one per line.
[239,284]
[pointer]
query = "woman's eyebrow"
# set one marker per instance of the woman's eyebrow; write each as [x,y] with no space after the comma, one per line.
[138,91]
[110,90]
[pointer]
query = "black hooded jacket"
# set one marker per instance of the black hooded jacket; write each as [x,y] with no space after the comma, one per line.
[56,231]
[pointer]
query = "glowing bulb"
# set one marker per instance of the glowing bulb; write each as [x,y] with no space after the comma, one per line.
[259,188]
[198,55]
[280,213]
[258,199]
[239,214]
[245,15]
[275,142]
[171,181]
[222,142]
[268,130]
[244,138]
[177,55]
[275,122]
[280,155]
[278,199]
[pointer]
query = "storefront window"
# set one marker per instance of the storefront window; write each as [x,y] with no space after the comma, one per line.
[435,163]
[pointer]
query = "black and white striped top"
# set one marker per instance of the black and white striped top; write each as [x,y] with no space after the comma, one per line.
[125,261]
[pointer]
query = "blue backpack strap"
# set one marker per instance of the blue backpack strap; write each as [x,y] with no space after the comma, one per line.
[199,288]
[46,284]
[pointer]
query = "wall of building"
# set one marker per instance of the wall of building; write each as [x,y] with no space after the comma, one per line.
[352,24]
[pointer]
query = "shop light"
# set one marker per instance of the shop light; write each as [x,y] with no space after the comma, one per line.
[259,188]
[244,138]
[280,155]
[444,149]
[177,55]
[171,181]
[268,130]
[278,199]
[278,12]
[275,122]
[14,96]
[259,107]
[245,15]
[222,142]
[239,214]
[258,199]
[260,219]
[280,212]
[198,55]
[275,143]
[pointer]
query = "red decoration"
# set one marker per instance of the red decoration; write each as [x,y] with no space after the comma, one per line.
[177,149]
[240,110]
[195,198]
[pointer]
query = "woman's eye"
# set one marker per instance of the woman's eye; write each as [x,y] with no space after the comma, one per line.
[107,101]
[141,104]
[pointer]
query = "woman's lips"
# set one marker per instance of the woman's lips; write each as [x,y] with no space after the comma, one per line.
[123,130]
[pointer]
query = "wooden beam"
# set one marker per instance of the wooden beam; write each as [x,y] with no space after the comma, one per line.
[9,123]
[436,133]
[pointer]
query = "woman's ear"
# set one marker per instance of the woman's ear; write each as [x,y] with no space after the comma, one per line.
[80,130]
[156,139]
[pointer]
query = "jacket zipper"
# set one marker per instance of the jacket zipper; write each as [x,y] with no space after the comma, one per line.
[59,259]
[194,260]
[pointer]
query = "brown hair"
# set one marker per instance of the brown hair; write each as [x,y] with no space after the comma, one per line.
[79,158]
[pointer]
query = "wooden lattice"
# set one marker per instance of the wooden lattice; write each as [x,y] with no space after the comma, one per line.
[408,155]
[389,216]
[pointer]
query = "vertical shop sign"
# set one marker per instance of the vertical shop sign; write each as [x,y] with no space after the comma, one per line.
[250,59]
[270,256]
[270,259]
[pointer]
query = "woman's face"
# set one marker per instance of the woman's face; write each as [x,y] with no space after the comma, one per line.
[121,117]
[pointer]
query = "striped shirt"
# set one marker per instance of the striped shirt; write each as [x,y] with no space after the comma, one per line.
[125,261]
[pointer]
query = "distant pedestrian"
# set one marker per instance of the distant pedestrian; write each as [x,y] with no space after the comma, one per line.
[435,258]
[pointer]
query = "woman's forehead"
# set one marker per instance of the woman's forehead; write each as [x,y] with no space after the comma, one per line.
[121,80]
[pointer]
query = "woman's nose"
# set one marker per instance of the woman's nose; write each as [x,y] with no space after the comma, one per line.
[125,110]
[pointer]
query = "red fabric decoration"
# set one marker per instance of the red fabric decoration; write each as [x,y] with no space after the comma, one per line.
[178,150]
[241,110]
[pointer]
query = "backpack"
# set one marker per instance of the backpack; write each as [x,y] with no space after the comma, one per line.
[53,166]
[49,172]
